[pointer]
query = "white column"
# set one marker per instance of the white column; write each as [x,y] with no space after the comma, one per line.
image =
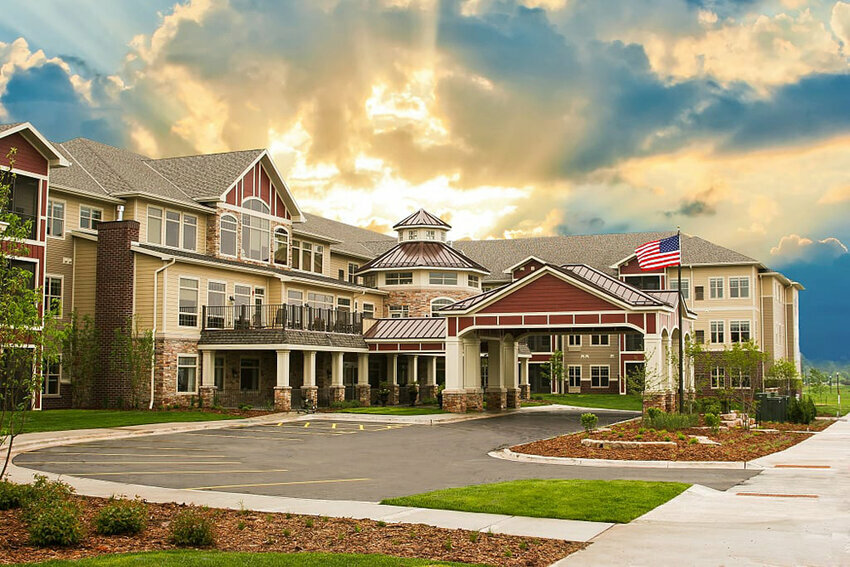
[282,368]
[495,371]
[208,368]
[393,370]
[509,364]
[472,363]
[655,363]
[336,369]
[454,364]
[363,368]
[309,368]
[413,369]
[431,374]
[523,376]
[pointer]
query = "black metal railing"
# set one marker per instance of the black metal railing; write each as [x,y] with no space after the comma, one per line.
[281,316]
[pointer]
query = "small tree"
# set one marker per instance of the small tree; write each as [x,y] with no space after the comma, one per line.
[817,383]
[79,346]
[783,375]
[555,370]
[132,356]
[742,363]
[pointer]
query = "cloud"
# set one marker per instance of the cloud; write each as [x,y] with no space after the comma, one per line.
[835,195]
[840,23]
[795,248]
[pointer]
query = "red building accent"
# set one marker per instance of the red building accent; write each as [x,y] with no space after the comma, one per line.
[547,294]
[257,183]
[27,158]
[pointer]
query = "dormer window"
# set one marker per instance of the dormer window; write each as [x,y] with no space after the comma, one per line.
[430,235]
[412,234]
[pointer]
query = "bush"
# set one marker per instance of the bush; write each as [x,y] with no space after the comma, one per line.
[712,421]
[345,404]
[191,529]
[709,405]
[57,524]
[42,495]
[430,401]
[669,421]
[12,495]
[589,421]
[652,413]
[121,517]
[801,411]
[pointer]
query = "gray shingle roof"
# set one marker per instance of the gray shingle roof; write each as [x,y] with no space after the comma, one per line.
[4,127]
[422,328]
[205,177]
[599,251]
[355,240]
[76,176]
[421,218]
[419,254]
[281,337]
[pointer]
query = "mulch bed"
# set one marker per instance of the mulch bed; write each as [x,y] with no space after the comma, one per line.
[237,530]
[816,425]
[735,445]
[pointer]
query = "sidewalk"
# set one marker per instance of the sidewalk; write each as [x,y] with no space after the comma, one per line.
[790,514]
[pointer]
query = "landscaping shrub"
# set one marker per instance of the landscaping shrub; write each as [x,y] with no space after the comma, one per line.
[12,495]
[55,524]
[43,495]
[652,413]
[121,517]
[712,421]
[589,421]
[801,411]
[345,404]
[191,529]
[430,402]
[670,421]
[709,405]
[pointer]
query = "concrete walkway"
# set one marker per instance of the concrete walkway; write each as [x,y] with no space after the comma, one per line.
[796,512]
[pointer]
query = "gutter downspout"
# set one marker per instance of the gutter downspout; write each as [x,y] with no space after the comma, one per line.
[153,331]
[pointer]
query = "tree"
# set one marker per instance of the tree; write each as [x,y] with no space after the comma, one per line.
[817,383]
[742,363]
[132,357]
[79,346]
[20,322]
[555,371]
[783,375]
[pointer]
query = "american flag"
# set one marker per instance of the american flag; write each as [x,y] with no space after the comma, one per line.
[659,253]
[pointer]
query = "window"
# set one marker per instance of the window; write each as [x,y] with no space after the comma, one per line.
[53,295]
[368,311]
[430,235]
[254,204]
[216,304]
[23,199]
[715,287]
[699,293]
[281,246]
[154,225]
[634,342]
[307,256]
[370,281]
[242,294]
[574,375]
[739,331]
[442,278]
[227,244]
[296,254]
[599,340]
[52,377]
[540,343]
[90,217]
[187,373]
[320,300]
[412,234]
[218,372]
[644,282]
[343,304]
[352,269]
[25,266]
[599,376]
[399,278]
[295,297]
[717,377]
[172,228]
[574,340]
[188,303]
[255,238]
[319,259]
[717,333]
[739,287]
[686,287]
[55,218]
[341,274]
[439,303]
[740,380]
[699,336]
[249,374]
[474,281]
[190,232]
[399,311]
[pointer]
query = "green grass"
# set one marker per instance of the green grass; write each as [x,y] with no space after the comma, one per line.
[215,559]
[618,501]
[394,410]
[61,420]
[827,404]
[602,401]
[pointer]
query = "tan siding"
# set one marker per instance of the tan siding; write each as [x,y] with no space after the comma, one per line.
[146,267]
[85,276]
[137,209]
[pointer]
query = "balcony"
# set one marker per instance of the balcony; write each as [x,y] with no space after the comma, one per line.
[280,316]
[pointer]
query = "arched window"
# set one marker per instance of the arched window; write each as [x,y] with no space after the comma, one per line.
[281,246]
[439,303]
[227,243]
[254,204]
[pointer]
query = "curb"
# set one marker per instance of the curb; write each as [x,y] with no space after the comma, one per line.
[508,455]
[427,419]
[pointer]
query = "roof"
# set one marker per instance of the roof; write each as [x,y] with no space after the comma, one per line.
[419,328]
[422,254]
[37,140]
[421,218]
[600,251]
[206,177]
[352,239]
[4,127]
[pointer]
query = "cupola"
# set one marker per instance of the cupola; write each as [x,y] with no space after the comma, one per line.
[422,226]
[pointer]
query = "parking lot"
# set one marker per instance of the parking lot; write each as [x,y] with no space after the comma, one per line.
[345,459]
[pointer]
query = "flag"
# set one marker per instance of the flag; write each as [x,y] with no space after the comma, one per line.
[659,253]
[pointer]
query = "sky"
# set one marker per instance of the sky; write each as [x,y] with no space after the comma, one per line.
[509,118]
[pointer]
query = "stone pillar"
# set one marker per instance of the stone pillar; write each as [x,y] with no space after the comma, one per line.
[337,391]
[393,379]
[364,391]
[524,385]
[472,374]
[510,351]
[496,392]
[309,391]
[428,390]
[208,388]
[454,396]
[282,390]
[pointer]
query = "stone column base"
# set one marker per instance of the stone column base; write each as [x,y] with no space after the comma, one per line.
[514,397]
[310,396]
[474,400]
[393,395]
[497,399]
[337,394]
[364,394]
[525,391]
[206,395]
[454,401]
[283,398]
[427,391]
[665,401]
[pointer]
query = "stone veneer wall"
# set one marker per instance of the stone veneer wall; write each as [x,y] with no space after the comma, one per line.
[419,300]
[165,371]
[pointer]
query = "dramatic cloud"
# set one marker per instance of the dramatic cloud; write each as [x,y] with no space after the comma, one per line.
[795,248]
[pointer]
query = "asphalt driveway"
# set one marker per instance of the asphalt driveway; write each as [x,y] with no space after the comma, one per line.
[345,460]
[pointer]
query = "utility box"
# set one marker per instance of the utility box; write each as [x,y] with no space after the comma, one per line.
[771,407]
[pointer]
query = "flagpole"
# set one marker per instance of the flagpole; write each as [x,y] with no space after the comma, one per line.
[681,331]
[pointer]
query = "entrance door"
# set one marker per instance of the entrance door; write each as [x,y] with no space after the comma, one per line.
[574,377]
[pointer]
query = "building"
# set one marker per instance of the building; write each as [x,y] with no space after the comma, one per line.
[253,301]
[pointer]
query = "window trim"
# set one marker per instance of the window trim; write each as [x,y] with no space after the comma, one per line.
[686,289]
[64,218]
[399,274]
[442,276]
[197,299]
[280,229]
[739,279]
[183,223]
[364,310]
[403,310]
[721,378]
[749,330]
[600,335]
[235,235]
[269,233]
[436,299]
[61,279]
[722,324]
[177,375]
[571,367]
[469,279]
[607,367]
[91,210]
[44,374]
[722,295]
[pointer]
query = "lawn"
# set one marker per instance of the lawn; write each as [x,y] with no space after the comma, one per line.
[618,501]
[215,559]
[61,420]
[827,403]
[394,410]
[601,401]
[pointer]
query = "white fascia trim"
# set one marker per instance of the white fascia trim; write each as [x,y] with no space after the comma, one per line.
[175,202]
[86,194]
[55,159]
[522,262]
[352,254]
[398,228]
[411,268]
[405,341]
[84,235]
[281,346]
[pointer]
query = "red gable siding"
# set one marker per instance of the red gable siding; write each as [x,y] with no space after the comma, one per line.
[548,294]
[526,269]
[257,183]
[632,267]
[27,157]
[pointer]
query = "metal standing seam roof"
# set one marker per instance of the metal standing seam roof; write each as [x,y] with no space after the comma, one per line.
[422,218]
[422,254]
[418,328]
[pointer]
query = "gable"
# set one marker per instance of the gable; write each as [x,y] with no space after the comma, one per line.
[526,268]
[27,157]
[257,183]
[549,294]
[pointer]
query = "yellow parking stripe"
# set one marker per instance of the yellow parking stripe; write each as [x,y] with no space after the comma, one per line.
[333,426]
[173,472]
[245,436]
[306,424]
[361,427]
[127,455]
[281,483]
